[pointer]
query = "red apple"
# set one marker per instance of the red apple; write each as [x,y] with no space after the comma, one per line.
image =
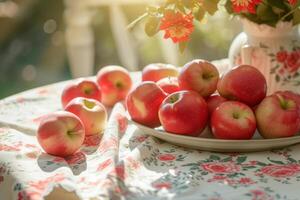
[277,116]
[115,83]
[143,103]
[184,113]
[233,120]
[200,76]
[81,88]
[293,96]
[61,133]
[169,84]
[92,114]
[156,71]
[214,101]
[243,83]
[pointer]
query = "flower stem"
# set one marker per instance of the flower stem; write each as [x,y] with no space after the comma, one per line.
[137,20]
[289,13]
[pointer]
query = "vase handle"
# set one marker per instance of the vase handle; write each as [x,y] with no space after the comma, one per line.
[246,54]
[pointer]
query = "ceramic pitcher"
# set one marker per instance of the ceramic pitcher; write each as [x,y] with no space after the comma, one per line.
[274,51]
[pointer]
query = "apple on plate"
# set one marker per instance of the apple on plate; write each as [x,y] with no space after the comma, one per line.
[245,84]
[115,83]
[156,71]
[169,84]
[92,114]
[213,102]
[233,120]
[184,113]
[81,88]
[143,103]
[200,76]
[277,116]
[60,133]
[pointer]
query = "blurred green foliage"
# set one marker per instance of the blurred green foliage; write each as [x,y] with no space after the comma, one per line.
[32,48]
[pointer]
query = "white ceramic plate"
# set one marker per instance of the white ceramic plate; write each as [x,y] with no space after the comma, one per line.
[206,142]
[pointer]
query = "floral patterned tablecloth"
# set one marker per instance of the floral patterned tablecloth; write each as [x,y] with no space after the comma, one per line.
[127,164]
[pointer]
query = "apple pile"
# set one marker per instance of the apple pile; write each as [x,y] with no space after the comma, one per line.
[185,101]
[62,133]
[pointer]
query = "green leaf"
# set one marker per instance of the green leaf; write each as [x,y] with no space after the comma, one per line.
[199,14]
[277,78]
[276,161]
[296,16]
[241,159]
[188,3]
[182,46]
[292,160]
[152,26]
[228,7]
[226,159]
[214,157]
[265,12]
[211,6]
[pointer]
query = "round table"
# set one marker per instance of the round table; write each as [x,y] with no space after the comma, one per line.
[126,163]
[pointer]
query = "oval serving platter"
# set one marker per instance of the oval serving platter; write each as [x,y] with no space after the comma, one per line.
[206,141]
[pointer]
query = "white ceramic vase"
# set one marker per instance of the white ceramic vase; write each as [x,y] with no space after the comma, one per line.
[275,51]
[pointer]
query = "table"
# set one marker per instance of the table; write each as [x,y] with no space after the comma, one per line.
[127,164]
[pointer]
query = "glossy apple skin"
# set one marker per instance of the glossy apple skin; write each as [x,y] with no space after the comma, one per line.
[245,84]
[81,88]
[200,76]
[143,103]
[60,133]
[184,113]
[156,71]
[276,121]
[295,97]
[233,120]
[115,83]
[213,102]
[92,114]
[169,84]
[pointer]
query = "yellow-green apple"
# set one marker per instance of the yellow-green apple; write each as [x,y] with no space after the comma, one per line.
[92,114]
[156,71]
[60,133]
[277,116]
[115,83]
[184,113]
[243,83]
[81,88]
[143,103]
[200,76]
[233,120]
[213,102]
[169,84]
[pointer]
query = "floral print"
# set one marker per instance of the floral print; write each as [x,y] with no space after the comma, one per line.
[148,169]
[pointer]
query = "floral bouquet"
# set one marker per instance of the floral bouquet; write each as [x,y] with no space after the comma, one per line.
[176,17]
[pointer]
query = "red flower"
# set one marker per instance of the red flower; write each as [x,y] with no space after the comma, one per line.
[120,171]
[177,26]
[293,61]
[281,56]
[281,171]
[166,157]
[122,122]
[220,167]
[162,185]
[245,5]
[246,181]
[292,2]
[260,195]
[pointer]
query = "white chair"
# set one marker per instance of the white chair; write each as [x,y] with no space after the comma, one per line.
[80,38]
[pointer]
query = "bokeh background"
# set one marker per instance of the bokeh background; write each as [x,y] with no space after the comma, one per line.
[33,48]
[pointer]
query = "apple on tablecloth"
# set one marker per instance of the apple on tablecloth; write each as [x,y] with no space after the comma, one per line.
[214,101]
[81,88]
[60,133]
[115,83]
[92,114]
[156,71]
